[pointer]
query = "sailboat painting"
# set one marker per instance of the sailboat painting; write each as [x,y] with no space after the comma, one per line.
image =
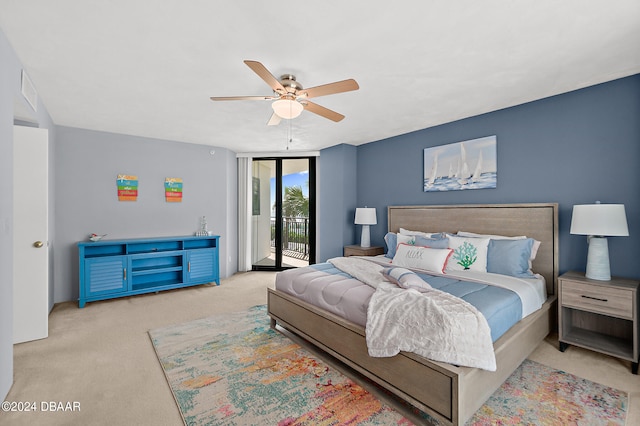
[463,165]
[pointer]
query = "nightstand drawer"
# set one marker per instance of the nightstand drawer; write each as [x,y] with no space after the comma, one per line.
[617,302]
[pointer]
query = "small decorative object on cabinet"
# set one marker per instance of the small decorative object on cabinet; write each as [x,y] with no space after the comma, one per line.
[203,231]
[362,251]
[118,268]
[599,315]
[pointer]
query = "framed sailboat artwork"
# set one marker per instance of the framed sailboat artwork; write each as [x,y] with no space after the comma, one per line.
[470,164]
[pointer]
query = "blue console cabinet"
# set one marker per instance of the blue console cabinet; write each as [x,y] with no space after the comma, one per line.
[118,268]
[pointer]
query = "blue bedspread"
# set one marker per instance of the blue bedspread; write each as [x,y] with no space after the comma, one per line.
[501,307]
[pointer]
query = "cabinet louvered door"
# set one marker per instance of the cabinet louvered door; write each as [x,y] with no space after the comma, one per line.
[106,275]
[202,266]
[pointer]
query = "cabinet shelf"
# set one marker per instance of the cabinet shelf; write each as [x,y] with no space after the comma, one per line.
[118,268]
[102,250]
[155,270]
[155,286]
[156,246]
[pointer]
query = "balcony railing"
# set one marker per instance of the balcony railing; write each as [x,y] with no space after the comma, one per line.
[295,236]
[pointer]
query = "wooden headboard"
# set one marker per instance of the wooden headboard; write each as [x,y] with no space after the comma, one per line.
[538,221]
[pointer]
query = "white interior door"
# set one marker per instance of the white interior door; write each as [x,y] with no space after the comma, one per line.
[30,234]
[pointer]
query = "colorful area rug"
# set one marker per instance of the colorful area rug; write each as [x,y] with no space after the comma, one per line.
[539,395]
[233,369]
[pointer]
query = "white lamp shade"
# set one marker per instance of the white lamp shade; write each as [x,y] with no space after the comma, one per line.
[287,108]
[599,219]
[366,216]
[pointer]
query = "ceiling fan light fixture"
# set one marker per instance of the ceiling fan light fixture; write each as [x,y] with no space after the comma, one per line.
[287,108]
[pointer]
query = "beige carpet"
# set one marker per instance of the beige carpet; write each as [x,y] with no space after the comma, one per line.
[102,357]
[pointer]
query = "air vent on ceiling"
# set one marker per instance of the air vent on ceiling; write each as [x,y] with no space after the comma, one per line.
[29,92]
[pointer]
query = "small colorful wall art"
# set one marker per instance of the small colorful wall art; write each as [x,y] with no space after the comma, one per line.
[127,187]
[173,190]
[463,165]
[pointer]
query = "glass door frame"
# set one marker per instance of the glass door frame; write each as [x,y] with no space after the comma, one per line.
[278,212]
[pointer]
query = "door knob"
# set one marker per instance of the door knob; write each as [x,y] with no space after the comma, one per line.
[38,244]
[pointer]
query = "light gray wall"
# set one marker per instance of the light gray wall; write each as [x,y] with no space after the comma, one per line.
[87,164]
[82,173]
[7,60]
[230,206]
[12,106]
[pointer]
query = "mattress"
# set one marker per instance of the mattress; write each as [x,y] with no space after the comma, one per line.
[328,288]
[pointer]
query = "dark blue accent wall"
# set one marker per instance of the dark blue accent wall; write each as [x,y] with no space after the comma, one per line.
[336,200]
[573,148]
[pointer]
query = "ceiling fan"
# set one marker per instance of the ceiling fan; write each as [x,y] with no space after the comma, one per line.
[290,98]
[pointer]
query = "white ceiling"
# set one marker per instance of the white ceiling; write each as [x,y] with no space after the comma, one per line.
[148,68]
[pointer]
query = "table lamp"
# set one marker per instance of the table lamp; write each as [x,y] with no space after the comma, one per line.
[599,221]
[365,216]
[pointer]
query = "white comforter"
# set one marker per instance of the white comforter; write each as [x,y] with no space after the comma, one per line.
[431,323]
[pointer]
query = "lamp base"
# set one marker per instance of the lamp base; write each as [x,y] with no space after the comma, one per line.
[598,259]
[365,239]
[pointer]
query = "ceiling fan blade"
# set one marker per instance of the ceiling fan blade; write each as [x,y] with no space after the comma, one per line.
[274,120]
[264,74]
[330,89]
[242,98]
[322,111]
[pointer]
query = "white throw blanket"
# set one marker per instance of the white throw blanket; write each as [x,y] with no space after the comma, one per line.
[432,323]
[361,269]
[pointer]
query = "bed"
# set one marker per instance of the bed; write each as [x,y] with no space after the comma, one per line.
[448,393]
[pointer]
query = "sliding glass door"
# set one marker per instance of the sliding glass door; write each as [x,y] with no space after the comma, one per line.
[283,213]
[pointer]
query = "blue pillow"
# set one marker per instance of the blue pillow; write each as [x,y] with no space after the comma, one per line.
[510,257]
[439,243]
[391,240]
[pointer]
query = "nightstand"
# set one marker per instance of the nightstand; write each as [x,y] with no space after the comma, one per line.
[599,315]
[362,251]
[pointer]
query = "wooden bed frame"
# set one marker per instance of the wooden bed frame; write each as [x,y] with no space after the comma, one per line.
[446,392]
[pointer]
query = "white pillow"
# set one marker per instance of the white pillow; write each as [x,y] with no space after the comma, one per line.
[419,257]
[468,254]
[420,233]
[534,249]
[405,239]
[405,278]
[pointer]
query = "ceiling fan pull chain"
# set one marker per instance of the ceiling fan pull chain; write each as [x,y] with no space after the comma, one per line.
[289,136]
